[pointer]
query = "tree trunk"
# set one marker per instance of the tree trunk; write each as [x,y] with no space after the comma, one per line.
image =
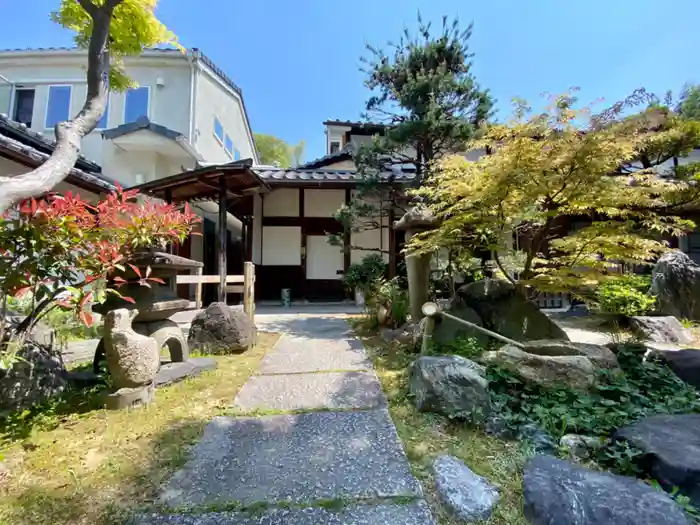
[69,134]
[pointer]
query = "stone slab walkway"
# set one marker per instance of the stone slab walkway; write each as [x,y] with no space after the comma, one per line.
[328,443]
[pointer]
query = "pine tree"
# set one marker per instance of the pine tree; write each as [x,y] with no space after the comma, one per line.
[429,104]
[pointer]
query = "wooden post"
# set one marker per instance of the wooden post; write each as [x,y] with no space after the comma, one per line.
[198,289]
[249,293]
[223,235]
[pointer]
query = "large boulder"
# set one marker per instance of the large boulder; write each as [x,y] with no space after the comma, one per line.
[660,329]
[671,447]
[676,285]
[38,375]
[552,369]
[600,356]
[559,493]
[448,330]
[221,329]
[450,385]
[684,363]
[467,496]
[505,311]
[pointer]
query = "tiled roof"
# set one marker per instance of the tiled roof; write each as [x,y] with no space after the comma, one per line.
[279,175]
[39,141]
[354,124]
[39,157]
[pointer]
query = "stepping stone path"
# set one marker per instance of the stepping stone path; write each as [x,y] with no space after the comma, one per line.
[314,445]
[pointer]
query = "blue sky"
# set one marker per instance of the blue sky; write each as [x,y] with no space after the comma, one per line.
[298,62]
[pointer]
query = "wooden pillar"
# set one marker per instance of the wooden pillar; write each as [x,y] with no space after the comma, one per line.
[223,236]
[198,288]
[249,293]
[392,236]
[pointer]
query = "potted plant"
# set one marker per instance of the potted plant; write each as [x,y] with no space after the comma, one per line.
[360,276]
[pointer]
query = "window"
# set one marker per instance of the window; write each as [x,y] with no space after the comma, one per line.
[104,121]
[58,107]
[228,145]
[236,155]
[23,106]
[218,130]
[136,104]
[335,147]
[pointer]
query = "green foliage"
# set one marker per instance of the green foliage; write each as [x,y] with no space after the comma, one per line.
[389,294]
[689,104]
[363,275]
[133,28]
[548,167]
[626,295]
[276,152]
[621,457]
[425,103]
[641,389]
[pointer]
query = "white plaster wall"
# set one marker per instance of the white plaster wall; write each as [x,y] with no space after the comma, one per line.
[257,228]
[323,261]
[322,203]
[282,202]
[369,239]
[215,98]
[281,246]
[168,106]
[342,165]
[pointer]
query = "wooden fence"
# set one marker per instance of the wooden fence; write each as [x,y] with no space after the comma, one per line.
[244,284]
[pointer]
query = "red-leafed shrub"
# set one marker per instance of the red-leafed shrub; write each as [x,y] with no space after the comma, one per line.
[54,247]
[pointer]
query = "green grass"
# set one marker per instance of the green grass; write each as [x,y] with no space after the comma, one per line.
[75,463]
[426,436]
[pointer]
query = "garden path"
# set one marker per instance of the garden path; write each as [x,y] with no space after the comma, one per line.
[310,442]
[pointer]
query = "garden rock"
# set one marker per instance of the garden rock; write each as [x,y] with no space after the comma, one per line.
[600,356]
[449,385]
[542,442]
[558,492]
[401,335]
[670,444]
[468,496]
[38,376]
[221,329]
[660,329]
[575,371]
[505,311]
[676,285]
[447,330]
[581,447]
[684,363]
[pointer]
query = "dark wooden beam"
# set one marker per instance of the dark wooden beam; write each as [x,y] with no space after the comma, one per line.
[304,233]
[346,238]
[229,194]
[223,237]
[392,236]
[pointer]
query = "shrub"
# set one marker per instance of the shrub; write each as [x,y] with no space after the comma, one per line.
[389,294]
[361,276]
[57,248]
[625,295]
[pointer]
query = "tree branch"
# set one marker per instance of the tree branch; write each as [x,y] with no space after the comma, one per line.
[69,134]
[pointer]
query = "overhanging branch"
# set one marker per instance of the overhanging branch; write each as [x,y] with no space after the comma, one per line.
[69,134]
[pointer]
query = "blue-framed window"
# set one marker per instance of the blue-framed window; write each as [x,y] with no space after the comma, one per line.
[136,104]
[104,121]
[236,155]
[218,130]
[228,144]
[58,106]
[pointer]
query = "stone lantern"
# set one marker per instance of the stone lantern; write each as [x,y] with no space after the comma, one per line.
[417,219]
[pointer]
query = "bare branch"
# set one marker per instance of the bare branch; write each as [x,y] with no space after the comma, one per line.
[69,134]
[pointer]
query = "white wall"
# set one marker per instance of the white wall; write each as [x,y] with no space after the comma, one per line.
[281,246]
[322,203]
[214,98]
[169,104]
[282,202]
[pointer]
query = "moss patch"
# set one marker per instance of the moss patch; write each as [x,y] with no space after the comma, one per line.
[78,464]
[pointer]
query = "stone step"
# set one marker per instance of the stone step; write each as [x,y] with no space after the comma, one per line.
[385,514]
[329,390]
[296,354]
[294,458]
